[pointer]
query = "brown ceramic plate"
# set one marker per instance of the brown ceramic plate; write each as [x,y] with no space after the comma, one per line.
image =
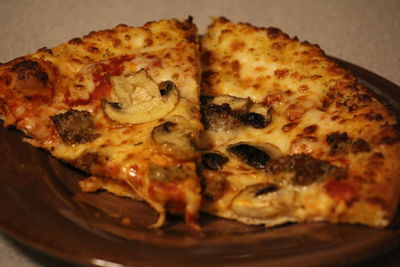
[41,206]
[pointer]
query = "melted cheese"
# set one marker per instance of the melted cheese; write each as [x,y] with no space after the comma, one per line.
[120,154]
[306,90]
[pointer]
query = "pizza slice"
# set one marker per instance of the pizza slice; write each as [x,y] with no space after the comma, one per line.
[122,105]
[290,135]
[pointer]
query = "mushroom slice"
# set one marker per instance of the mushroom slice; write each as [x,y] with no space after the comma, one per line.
[258,116]
[263,201]
[235,103]
[254,155]
[176,138]
[136,98]
[213,160]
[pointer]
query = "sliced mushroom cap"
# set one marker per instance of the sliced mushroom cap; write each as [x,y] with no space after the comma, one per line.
[176,138]
[262,201]
[254,155]
[136,98]
[213,160]
[258,116]
[236,103]
[222,110]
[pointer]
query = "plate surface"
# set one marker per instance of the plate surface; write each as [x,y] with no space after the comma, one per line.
[41,206]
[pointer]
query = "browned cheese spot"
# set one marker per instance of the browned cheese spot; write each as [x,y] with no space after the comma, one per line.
[289,126]
[360,145]
[46,50]
[116,42]
[236,68]
[76,41]
[310,129]
[281,74]
[340,143]
[93,49]
[27,69]
[390,134]
[372,116]
[316,77]
[273,32]
[148,42]
[303,88]
[237,45]
[276,46]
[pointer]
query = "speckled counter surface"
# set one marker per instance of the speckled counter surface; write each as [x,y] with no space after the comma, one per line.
[363,32]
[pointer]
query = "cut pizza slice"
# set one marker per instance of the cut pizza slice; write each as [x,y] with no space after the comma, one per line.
[121,105]
[290,135]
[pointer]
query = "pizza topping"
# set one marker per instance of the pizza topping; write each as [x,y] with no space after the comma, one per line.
[337,137]
[310,129]
[235,103]
[170,173]
[262,201]
[372,116]
[174,138]
[226,112]
[31,81]
[166,87]
[75,126]
[255,156]
[249,154]
[340,143]
[213,160]
[390,134]
[28,69]
[259,116]
[136,98]
[219,117]
[268,188]
[302,169]
[254,119]
[360,145]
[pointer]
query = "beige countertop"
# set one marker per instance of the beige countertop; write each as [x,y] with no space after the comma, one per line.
[363,32]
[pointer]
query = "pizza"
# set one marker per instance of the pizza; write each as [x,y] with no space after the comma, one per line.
[290,136]
[246,124]
[121,105]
